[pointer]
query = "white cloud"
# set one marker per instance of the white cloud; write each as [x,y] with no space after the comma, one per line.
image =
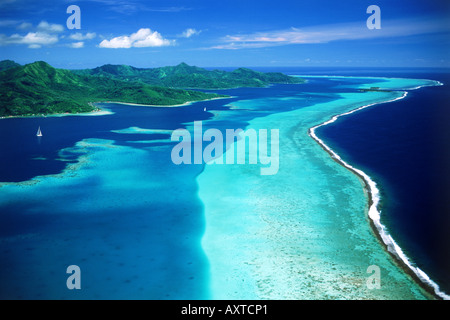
[47,27]
[118,42]
[143,38]
[190,32]
[24,25]
[76,45]
[336,32]
[45,34]
[79,36]
[32,39]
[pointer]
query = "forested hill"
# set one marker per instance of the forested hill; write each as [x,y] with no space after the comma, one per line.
[39,89]
[185,76]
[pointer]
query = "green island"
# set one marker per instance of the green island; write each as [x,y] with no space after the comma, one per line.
[191,77]
[39,89]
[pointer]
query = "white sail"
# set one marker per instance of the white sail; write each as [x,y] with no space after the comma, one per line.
[39,132]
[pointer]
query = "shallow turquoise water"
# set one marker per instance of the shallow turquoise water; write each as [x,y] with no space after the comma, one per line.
[303,233]
[101,215]
[141,227]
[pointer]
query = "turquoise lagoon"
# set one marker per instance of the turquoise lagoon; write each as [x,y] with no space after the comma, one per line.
[141,227]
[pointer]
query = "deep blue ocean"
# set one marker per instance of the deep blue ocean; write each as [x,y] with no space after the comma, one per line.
[403,146]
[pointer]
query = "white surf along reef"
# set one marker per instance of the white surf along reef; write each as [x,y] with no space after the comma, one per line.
[308,232]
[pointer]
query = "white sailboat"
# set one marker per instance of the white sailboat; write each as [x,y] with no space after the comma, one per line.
[204,109]
[39,132]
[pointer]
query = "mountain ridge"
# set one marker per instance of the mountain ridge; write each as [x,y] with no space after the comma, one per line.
[39,89]
[191,77]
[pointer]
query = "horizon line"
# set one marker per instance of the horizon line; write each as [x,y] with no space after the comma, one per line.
[247,66]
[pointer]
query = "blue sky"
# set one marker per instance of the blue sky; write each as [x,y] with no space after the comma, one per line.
[227,33]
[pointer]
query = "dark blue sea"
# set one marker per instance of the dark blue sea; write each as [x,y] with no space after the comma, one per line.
[405,147]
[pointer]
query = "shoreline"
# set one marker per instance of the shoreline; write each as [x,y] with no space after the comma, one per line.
[102,112]
[149,105]
[437,83]
[96,112]
[187,103]
[298,234]
[374,214]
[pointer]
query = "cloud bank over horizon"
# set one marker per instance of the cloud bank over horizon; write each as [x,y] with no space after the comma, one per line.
[334,32]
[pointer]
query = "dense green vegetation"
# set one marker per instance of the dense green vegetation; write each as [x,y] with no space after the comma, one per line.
[185,76]
[38,88]
[8,64]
